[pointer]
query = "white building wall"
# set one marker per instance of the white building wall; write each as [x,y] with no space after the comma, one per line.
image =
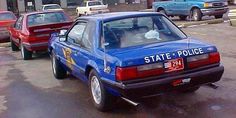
[38,4]
[21,5]
[64,3]
[3,5]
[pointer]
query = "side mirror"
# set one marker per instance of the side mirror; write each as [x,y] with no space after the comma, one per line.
[62,32]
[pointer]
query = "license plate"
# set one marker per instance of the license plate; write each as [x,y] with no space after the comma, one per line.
[174,65]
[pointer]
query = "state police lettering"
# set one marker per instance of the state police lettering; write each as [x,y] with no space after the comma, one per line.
[168,56]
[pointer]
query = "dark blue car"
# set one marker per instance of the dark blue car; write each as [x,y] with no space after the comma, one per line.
[132,55]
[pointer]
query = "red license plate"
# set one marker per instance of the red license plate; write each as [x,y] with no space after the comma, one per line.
[174,65]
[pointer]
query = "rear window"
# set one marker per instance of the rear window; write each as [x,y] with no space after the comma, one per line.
[52,7]
[94,3]
[47,18]
[135,31]
[7,16]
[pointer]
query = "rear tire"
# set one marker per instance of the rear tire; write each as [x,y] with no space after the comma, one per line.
[102,100]
[13,46]
[58,71]
[218,16]
[26,55]
[182,17]
[191,90]
[196,14]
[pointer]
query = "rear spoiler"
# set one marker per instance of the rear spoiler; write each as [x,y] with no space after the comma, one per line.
[49,27]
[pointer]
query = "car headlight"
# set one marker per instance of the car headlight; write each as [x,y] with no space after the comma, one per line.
[206,4]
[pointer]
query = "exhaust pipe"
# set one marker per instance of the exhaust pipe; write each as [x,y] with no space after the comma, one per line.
[131,102]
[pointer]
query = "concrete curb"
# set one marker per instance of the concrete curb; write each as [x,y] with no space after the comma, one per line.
[5,44]
[193,23]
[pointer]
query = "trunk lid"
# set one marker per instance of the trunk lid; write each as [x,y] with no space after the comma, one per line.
[159,52]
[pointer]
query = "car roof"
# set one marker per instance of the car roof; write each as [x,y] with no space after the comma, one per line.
[51,5]
[117,15]
[40,12]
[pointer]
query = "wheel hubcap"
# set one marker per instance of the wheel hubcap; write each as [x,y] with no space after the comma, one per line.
[195,15]
[96,90]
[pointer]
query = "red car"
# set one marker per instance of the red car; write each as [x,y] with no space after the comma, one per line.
[7,19]
[32,31]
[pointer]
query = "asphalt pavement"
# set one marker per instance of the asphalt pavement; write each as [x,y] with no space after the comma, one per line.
[29,90]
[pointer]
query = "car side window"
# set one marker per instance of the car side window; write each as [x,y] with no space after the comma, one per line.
[18,24]
[76,33]
[86,40]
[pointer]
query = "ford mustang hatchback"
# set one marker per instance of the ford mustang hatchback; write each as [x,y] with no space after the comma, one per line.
[32,31]
[132,55]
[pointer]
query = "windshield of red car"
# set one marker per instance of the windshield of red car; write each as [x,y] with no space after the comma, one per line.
[140,31]
[46,18]
[7,16]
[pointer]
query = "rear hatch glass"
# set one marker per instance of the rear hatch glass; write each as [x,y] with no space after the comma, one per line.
[47,18]
[7,16]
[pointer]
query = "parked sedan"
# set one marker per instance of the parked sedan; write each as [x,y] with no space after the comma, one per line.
[132,55]
[32,31]
[7,19]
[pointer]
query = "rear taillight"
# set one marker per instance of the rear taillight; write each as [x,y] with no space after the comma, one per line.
[202,60]
[129,73]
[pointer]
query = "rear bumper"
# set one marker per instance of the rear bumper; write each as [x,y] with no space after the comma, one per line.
[161,85]
[39,46]
[214,11]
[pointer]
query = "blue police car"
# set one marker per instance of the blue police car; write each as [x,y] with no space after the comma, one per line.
[132,55]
